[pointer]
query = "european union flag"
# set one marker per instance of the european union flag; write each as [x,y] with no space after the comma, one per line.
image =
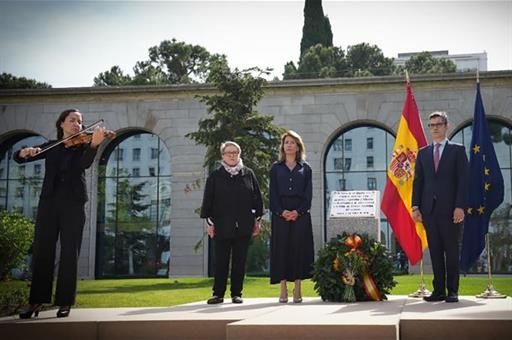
[485,187]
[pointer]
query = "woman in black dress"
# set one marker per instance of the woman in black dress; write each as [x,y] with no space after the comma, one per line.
[232,207]
[60,214]
[292,252]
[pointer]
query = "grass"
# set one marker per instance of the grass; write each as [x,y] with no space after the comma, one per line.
[175,291]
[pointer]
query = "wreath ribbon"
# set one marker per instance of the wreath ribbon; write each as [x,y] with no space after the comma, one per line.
[370,287]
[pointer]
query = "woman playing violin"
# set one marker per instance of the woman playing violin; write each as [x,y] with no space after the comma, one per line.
[61,213]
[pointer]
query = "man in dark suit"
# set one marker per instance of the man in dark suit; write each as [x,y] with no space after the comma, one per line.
[438,200]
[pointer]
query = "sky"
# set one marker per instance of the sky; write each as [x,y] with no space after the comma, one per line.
[68,43]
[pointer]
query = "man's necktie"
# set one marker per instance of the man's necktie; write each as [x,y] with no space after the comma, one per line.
[436,155]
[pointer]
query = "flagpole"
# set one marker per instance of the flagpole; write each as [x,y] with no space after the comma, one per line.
[422,290]
[490,292]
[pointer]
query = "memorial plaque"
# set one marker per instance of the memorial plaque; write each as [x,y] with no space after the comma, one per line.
[354,204]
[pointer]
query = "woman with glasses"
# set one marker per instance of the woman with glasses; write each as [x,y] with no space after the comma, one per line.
[232,206]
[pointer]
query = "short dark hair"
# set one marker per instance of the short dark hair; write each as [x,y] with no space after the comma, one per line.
[62,117]
[440,114]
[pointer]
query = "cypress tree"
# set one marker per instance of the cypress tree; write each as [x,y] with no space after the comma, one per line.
[317,27]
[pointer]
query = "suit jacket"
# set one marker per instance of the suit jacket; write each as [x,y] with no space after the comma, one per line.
[448,187]
[232,202]
[76,159]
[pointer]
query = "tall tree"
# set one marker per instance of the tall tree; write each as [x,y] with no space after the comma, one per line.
[232,116]
[171,62]
[317,27]
[424,62]
[10,81]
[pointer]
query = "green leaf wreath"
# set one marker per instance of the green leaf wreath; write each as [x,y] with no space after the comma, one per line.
[341,263]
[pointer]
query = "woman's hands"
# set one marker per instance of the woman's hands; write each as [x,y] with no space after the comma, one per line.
[210,230]
[29,152]
[98,136]
[290,215]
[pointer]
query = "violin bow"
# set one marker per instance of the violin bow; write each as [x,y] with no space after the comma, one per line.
[93,125]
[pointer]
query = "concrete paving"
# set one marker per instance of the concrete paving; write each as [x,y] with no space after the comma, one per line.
[264,318]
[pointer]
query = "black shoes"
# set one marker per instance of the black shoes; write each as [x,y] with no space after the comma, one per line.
[237,299]
[63,311]
[215,300]
[434,297]
[32,309]
[452,297]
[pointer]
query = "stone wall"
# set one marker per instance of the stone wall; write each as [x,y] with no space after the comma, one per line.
[317,109]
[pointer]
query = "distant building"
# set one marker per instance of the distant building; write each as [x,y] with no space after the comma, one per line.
[464,62]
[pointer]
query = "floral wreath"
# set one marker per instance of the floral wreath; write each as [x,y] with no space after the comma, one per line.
[353,267]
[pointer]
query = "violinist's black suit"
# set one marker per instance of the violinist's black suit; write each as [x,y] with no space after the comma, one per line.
[61,215]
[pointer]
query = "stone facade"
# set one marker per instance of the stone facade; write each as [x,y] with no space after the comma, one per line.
[317,109]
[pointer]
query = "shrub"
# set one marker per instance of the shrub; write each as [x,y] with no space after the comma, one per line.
[16,233]
[13,299]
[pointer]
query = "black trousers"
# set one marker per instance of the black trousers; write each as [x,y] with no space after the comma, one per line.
[235,248]
[57,217]
[443,238]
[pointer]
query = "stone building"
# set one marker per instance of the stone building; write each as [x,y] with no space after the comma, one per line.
[146,185]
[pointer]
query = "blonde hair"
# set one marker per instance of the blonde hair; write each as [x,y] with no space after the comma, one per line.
[228,143]
[301,153]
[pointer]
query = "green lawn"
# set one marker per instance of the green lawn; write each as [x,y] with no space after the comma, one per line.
[168,292]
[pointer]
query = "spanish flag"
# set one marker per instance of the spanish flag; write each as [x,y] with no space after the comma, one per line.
[396,203]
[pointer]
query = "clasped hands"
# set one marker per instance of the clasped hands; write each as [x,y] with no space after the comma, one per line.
[290,215]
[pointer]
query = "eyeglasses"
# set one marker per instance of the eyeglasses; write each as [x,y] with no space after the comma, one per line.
[435,125]
[231,153]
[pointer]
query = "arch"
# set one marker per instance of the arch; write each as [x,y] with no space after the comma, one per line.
[133,208]
[500,226]
[356,158]
[20,184]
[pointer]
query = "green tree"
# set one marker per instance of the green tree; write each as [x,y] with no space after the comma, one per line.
[318,62]
[424,62]
[367,60]
[113,77]
[9,81]
[317,28]
[171,62]
[232,116]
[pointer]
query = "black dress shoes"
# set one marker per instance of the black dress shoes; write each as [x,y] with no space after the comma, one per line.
[32,309]
[452,297]
[63,311]
[215,300]
[237,299]
[434,297]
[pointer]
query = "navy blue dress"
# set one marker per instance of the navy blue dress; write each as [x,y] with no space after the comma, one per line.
[292,251]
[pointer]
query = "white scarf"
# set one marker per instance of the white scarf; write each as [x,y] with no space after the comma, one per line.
[233,170]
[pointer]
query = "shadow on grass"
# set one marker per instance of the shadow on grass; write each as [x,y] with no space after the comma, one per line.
[131,288]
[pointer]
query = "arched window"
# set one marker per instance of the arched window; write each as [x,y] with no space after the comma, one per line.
[20,184]
[357,160]
[500,226]
[134,200]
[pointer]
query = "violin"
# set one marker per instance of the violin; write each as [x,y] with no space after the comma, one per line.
[81,137]
[86,138]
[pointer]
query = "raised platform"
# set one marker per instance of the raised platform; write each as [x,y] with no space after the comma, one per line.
[398,318]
